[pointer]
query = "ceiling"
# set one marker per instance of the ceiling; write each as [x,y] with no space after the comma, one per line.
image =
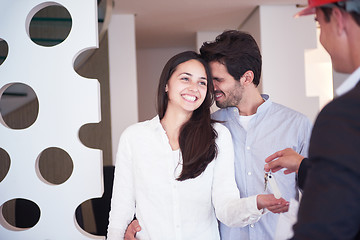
[170,23]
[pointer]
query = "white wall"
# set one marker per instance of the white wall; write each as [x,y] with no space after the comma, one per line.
[202,37]
[252,26]
[283,42]
[123,76]
[318,73]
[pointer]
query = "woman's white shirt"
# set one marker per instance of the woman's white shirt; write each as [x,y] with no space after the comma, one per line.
[145,184]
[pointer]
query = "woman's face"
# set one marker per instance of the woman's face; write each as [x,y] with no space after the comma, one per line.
[187,86]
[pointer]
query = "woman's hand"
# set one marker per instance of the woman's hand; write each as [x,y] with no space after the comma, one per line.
[271,203]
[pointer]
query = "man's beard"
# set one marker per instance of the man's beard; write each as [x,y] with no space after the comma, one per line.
[232,100]
[221,104]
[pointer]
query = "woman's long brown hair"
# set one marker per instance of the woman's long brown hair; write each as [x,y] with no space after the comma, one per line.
[197,135]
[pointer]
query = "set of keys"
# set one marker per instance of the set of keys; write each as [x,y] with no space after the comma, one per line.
[269,179]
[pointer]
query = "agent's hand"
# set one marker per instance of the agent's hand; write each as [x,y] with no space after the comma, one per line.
[271,203]
[131,230]
[286,158]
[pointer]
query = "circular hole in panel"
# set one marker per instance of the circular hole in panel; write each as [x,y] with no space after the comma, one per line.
[50,26]
[92,219]
[84,215]
[54,165]
[20,213]
[4,50]
[97,208]
[4,164]
[19,106]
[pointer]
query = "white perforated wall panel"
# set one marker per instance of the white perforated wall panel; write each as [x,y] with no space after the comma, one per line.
[66,102]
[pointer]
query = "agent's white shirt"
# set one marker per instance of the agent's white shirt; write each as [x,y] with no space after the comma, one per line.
[145,184]
[349,83]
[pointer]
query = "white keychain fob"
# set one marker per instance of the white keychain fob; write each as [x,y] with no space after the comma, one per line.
[273,185]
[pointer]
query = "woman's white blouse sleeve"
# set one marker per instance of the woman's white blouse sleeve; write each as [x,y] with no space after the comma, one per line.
[123,196]
[230,209]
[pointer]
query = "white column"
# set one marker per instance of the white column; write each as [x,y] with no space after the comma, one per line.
[123,78]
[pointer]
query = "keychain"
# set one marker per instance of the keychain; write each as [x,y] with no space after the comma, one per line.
[269,179]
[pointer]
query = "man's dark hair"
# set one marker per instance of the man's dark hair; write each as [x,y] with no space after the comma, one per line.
[238,51]
[327,10]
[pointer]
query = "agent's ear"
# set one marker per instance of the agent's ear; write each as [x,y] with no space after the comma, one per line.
[338,17]
[247,78]
[166,88]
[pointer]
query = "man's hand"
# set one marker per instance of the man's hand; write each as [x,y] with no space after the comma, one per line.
[271,203]
[286,158]
[131,230]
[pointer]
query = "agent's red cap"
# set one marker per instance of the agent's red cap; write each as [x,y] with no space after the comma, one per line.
[312,4]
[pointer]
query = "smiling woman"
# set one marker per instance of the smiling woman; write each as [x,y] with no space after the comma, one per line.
[174,170]
[184,78]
